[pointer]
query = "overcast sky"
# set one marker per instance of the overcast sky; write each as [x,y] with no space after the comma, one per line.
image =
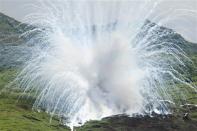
[185,24]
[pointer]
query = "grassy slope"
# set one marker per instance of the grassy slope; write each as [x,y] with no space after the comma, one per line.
[17,115]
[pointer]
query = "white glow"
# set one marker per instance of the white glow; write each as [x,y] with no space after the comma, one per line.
[89,62]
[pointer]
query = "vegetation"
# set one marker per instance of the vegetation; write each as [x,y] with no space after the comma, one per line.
[17,114]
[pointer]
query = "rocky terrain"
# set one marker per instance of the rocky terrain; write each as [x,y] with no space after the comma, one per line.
[16,113]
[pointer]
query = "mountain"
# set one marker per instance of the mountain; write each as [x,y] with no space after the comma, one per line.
[10,30]
[18,115]
[11,54]
[168,35]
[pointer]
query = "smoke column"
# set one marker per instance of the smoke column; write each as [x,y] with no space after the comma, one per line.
[92,59]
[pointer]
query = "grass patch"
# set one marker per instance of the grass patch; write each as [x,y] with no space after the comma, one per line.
[17,115]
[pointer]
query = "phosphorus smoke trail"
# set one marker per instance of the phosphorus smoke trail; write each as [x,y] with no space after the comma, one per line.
[96,59]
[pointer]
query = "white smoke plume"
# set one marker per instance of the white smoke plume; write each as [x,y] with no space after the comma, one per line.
[93,59]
